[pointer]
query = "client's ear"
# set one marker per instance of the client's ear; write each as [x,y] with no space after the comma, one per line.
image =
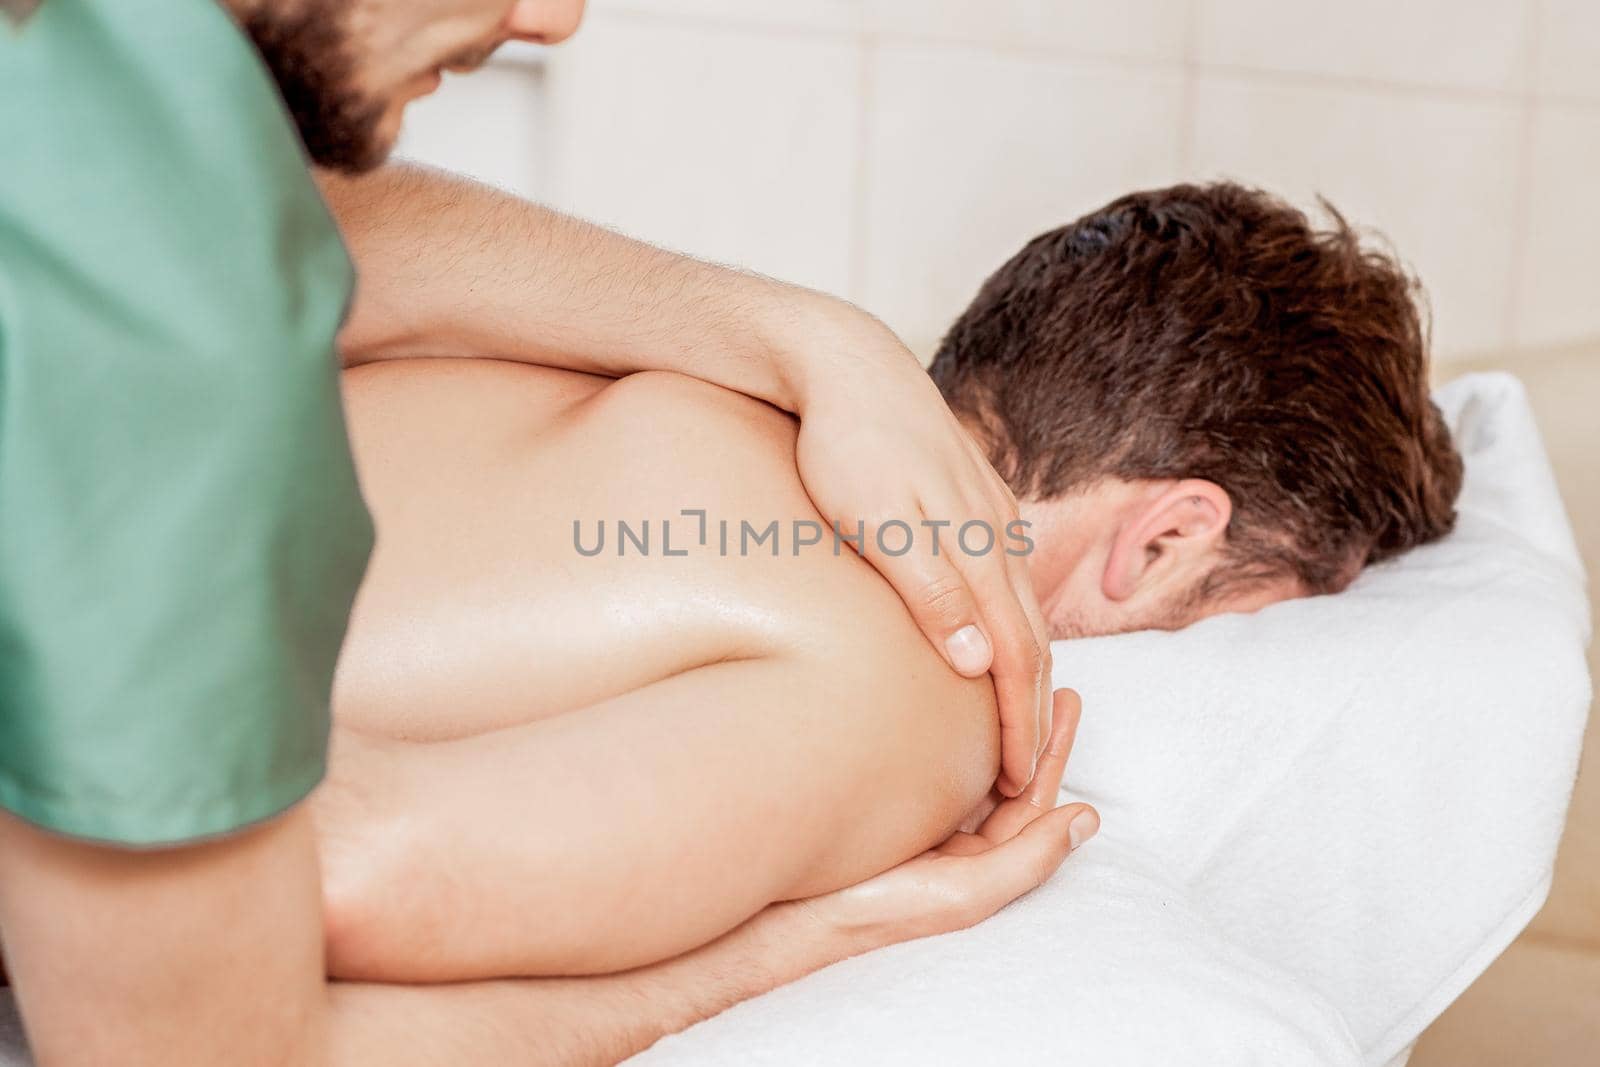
[1168,541]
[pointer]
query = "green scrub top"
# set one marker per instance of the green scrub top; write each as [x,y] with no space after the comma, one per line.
[181,533]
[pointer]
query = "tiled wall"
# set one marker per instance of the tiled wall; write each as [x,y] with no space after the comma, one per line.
[895,151]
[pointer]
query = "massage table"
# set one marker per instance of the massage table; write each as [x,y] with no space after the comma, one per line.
[1321,822]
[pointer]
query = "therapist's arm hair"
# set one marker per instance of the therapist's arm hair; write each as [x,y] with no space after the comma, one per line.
[452,267]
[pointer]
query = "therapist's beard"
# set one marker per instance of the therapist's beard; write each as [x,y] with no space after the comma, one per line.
[309,55]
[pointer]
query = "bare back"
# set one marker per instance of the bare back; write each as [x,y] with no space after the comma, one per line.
[479,610]
[697,734]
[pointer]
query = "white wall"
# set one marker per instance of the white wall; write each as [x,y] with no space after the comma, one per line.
[896,151]
[490,126]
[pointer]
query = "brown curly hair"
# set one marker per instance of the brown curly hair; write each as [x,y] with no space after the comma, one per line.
[1210,331]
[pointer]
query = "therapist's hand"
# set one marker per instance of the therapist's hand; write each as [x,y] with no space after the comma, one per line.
[876,441]
[1019,845]
[878,444]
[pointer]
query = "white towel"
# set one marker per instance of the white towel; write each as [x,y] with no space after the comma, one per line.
[1108,964]
[1321,821]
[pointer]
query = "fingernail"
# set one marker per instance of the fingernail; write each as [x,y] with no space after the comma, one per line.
[968,650]
[1084,825]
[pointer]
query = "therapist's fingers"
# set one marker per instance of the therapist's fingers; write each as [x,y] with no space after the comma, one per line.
[1010,817]
[1002,592]
[1000,819]
[965,599]
[1019,671]
[990,879]
[1003,586]
[1068,713]
[1022,582]
[925,575]
[1016,545]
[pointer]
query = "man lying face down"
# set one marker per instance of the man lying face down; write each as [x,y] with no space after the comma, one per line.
[552,760]
[1203,404]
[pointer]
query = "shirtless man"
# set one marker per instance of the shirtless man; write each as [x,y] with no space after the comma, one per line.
[559,759]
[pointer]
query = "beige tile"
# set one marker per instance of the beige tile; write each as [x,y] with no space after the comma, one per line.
[1569,49]
[1474,44]
[1560,291]
[1564,387]
[971,153]
[811,14]
[1438,176]
[1573,910]
[1538,1003]
[1143,29]
[1535,1005]
[731,144]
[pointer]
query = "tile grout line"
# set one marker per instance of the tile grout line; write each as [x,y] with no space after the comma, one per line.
[1354,83]
[1180,65]
[682,19]
[839,34]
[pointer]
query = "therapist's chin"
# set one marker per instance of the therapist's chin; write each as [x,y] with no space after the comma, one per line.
[414,88]
[385,134]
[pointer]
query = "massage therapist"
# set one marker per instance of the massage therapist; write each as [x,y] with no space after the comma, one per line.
[182,534]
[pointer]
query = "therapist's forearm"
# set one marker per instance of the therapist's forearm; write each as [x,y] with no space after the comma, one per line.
[217,959]
[573,1022]
[450,267]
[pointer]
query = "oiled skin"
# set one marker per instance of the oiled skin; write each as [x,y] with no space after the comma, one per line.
[606,761]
